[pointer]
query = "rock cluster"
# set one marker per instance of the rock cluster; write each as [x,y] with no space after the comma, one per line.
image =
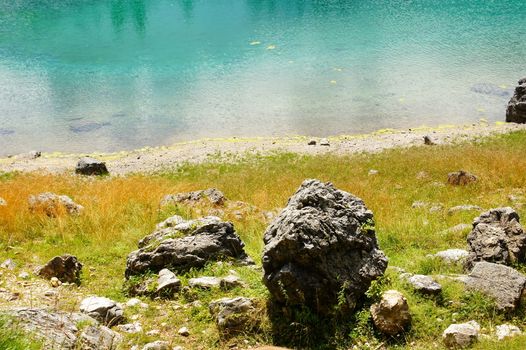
[65,268]
[321,247]
[53,205]
[91,166]
[516,111]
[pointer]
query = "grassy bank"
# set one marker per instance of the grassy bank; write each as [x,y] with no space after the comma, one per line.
[120,211]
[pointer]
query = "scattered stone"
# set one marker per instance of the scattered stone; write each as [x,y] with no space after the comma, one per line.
[205,240]
[428,141]
[230,282]
[24,275]
[498,237]
[311,142]
[514,199]
[168,284]
[425,284]
[153,333]
[516,111]
[204,282]
[436,208]
[53,205]
[461,178]
[211,195]
[55,282]
[91,166]
[99,338]
[134,302]
[102,309]
[157,345]
[419,204]
[452,255]
[321,247]
[3,202]
[501,282]
[465,207]
[34,154]
[373,172]
[458,228]
[234,314]
[391,315]
[461,335]
[8,264]
[65,268]
[130,328]
[184,331]
[325,142]
[507,331]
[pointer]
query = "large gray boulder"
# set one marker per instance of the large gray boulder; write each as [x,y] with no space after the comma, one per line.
[59,330]
[516,111]
[497,237]
[320,248]
[91,166]
[186,245]
[66,268]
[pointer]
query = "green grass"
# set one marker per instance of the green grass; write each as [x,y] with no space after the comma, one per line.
[120,211]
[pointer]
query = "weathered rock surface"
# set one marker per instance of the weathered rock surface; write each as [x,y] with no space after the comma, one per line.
[211,195]
[391,315]
[91,166]
[53,205]
[464,207]
[59,330]
[461,335]
[201,241]
[234,314]
[322,245]
[230,282]
[205,282]
[501,282]
[507,331]
[102,309]
[498,237]
[425,284]
[157,345]
[516,111]
[460,178]
[167,284]
[452,255]
[65,268]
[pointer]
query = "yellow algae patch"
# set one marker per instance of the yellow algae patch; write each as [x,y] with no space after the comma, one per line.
[271,47]
[255,43]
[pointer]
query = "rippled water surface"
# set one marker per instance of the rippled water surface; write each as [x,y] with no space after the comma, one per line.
[86,75]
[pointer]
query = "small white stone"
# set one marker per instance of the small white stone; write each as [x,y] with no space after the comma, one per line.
[184,332]
[23,275]
[373,172]
[55,282]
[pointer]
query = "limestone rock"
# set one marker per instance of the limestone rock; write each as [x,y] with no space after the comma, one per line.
[391,315]
[130,328]
[8,264]
[53,205]
[452,255]
[91,166]
[516,111]
[157,345]
[99,338]
[102,309]
[498,237]
[167,284]
[461,335]
[183,331]
[211,195]
[507,331]
[65,268]
[464,207]
[230,282]
[461,178]
[425,284]
[234,314]
[321,246]
[501,282]
[204,282]
[201,241]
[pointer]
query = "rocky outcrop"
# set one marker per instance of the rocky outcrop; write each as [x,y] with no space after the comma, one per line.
[102,309]
[233,315]
[461,178]
[59,330]
[516,111]
[321,247]
[211,195]
[497,237]
[461,335]
[65,268]
[53,205]
[504,284]
[188,244]
[391,314]
[91,166]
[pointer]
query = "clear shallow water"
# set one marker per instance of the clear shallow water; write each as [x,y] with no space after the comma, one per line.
[105,75]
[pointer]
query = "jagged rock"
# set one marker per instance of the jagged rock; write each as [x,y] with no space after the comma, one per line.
[157,345]
[500,282]
[102,309]
[461,335]
[452,255]
[8,264]
[53,205]
[59,330]
[425,284]
[211,195]
[391,315]
[65,268]
[167,284]
[461,178]
[205,240]
[91,166]
[516,111]
[498,237]
[465,207]
[322,246]
[234,314]
[3,202]
[130,328]
[507,331]
[204,282]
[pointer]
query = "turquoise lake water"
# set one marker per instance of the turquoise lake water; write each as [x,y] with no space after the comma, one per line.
[106,75]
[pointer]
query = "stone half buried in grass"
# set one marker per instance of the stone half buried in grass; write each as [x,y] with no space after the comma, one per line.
[201,241]
[321,251]
[53,205]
